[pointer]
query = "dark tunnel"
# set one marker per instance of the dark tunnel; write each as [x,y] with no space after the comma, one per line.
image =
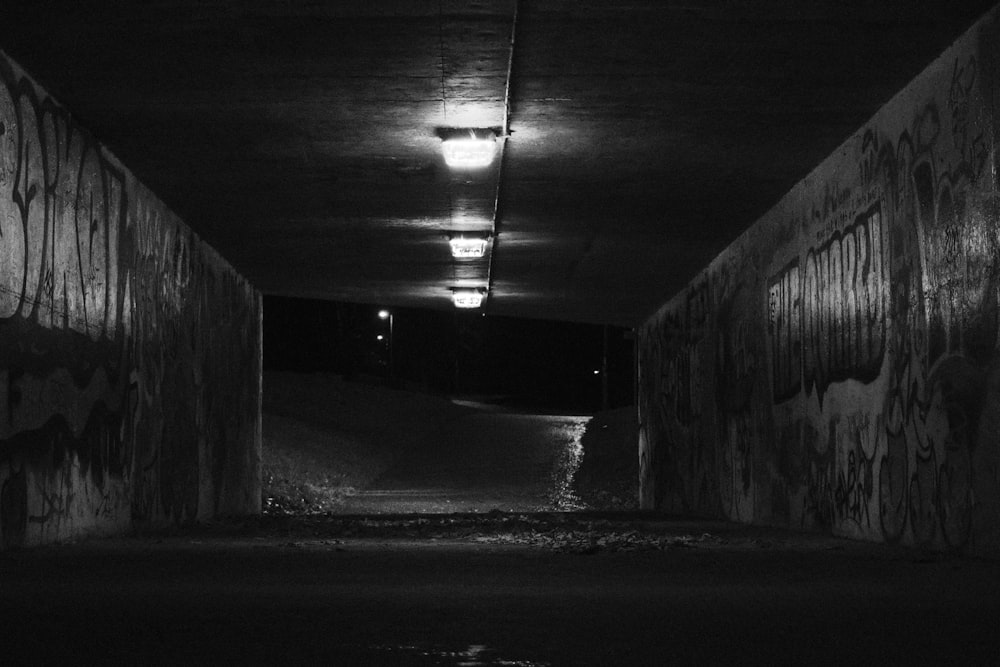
[499,332]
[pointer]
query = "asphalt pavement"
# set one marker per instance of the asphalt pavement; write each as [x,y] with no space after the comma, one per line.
[502,588]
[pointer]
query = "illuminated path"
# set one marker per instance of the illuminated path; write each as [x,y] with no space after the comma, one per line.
[489,461]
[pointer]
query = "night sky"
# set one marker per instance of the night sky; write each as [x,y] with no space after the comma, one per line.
[522,363]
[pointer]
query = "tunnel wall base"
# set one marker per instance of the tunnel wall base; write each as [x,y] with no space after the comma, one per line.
[129,349]
[837,367]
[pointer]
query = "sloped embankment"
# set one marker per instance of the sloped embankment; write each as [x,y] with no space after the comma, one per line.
[325,438]
[336,446]
[608,476]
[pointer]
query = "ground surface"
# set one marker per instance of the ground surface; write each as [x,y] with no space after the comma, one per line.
[495,585]
[495,589]
[349,447]
[485,461]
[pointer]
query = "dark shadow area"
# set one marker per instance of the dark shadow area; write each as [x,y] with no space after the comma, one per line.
[524,364]
[526,589]
[608,475]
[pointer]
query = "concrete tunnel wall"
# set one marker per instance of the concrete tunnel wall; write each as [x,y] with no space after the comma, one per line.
[129,349]
[837,367]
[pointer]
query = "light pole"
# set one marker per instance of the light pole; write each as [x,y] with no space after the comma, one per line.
[387,315]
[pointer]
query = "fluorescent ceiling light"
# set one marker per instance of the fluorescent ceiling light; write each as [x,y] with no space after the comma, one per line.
[463,247]
[467,298]
[469,151]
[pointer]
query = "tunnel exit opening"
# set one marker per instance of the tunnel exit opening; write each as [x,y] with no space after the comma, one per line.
[473,416]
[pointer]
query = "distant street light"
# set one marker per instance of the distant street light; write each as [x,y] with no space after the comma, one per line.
[387,315]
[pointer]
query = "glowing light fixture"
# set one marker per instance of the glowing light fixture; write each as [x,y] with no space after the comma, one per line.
[463,247]
[383,314]
[472,151]
[467,298]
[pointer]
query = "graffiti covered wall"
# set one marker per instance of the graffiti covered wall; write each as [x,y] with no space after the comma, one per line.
[837,367]
[129,350]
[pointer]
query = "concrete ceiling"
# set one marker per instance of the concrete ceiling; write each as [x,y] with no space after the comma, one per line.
[302,137]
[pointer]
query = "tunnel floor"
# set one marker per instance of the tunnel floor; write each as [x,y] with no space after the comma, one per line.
[502,588]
